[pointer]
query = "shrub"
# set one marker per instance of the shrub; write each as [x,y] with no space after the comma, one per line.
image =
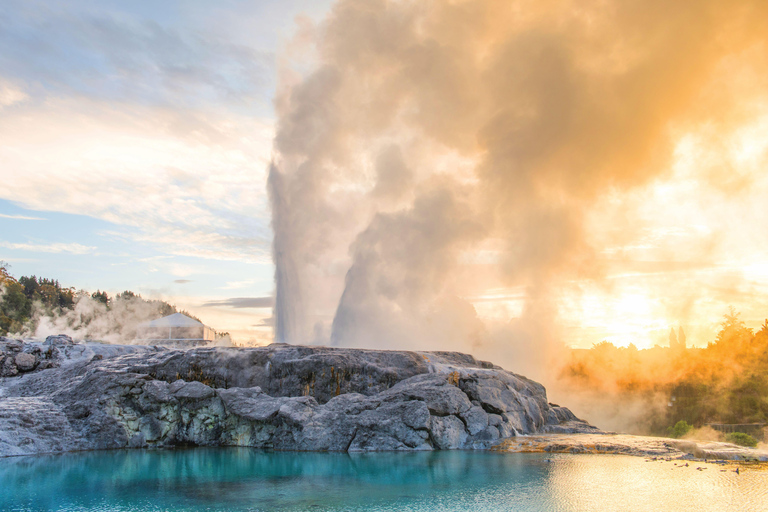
[741,439]
[680,429]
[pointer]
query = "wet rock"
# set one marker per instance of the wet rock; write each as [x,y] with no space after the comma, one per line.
[137,441]
[280,397]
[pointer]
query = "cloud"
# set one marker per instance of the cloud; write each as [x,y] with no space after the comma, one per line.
[10,94]
[266,322]
[19,217]
[185,193]
[117,55]
[72,248]
[182,281]
[162,128]
[243,302]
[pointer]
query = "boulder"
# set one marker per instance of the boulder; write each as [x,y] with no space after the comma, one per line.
[59,339]
[25,362]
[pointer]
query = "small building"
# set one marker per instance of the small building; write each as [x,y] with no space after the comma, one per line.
[175,329]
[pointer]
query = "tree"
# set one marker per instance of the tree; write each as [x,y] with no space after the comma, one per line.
[741,439]
[100,296]
[681,337]
[764,328]
[672,338]
[49,295]
[15,308]
[30,285]
[66,298]
[680,429]
[4,274]
[733,331]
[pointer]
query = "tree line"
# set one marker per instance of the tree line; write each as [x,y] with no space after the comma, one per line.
[724,382]
[28,299]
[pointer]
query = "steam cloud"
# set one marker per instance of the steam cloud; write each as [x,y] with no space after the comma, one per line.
[442,148]
[93,320]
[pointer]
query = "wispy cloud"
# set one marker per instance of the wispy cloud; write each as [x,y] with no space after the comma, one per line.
[89,50]
[10,94]
[242,302]
[55,248]
[265,322]
[19,217]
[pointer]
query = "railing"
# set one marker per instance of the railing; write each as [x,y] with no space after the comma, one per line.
[173,341]
[729,428]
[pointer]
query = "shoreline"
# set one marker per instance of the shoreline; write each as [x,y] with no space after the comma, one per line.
[638,446]
[651,448]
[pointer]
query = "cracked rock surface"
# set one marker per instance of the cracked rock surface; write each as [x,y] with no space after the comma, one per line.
[282,397]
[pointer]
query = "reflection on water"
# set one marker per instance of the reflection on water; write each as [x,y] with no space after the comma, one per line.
[243,479]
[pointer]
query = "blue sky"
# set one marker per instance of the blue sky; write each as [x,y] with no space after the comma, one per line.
[134,140]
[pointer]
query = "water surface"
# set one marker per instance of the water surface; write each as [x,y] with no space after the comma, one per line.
[241,479]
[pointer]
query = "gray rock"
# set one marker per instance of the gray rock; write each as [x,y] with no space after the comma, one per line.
[250,404]
[8,368]
[387,428]
[150,428]
[476,419]
[448,432]
[157,391]
[25,362]
[137,441]
[441,397]
[191,391]
[279,397]
[11,344]
[59,339]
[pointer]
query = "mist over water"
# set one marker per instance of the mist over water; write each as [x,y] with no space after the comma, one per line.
[436,151]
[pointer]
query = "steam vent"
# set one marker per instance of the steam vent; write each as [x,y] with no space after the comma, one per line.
[282,397]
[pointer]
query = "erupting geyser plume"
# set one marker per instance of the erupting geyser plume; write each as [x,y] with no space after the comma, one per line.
[444,148]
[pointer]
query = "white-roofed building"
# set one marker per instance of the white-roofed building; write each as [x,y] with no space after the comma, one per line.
[175,329]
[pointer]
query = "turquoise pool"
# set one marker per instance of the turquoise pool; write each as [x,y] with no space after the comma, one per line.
[241,479]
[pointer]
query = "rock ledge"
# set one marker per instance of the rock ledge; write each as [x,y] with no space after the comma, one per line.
[282,397]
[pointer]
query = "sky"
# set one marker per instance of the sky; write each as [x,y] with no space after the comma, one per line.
[460,175]
[134,143]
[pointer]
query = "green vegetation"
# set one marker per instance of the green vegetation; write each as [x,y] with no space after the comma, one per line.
[18,298]
[726,382]
[680,429]
[30,300]
[741,439]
